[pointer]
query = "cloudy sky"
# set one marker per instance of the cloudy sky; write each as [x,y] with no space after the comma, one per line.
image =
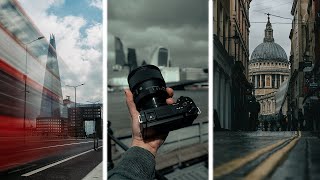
[281,25]
[77,26]
[181,25]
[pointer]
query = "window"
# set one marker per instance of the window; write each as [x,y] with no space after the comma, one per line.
[268,81]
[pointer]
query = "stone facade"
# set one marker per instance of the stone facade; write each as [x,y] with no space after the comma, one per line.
[297,35]
[231,44]
[304,91]
[268,70]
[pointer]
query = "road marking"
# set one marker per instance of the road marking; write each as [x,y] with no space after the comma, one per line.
[267,166]
[239,162]
[47,147]
[21,169]
[56,163]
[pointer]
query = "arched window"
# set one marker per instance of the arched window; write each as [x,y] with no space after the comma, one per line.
[269,105]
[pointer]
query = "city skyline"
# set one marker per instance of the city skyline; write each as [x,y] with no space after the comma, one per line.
[78,39]
[144,25]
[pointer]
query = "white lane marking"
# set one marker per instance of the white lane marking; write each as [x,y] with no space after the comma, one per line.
[56,163]
[47,147]
[17,170]
[96,173]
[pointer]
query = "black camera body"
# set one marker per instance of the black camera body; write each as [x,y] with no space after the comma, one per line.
[169,117]
[149,93]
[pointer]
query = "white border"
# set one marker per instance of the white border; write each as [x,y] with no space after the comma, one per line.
[210,68]
[104,84]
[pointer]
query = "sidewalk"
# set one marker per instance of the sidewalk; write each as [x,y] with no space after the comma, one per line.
[96,173]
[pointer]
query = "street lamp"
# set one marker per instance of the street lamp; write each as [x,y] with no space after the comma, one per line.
[75,101]
[95,144]
[25,84]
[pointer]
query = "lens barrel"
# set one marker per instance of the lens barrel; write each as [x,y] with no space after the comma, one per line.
[148,87]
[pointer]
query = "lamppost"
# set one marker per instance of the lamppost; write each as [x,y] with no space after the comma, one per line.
[25,84]
[75,103]
[95,139]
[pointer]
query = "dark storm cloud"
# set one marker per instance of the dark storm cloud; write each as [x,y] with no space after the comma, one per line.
[281,26]
[167,13]
[181,25]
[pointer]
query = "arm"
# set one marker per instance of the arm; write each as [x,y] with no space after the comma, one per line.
[139,161]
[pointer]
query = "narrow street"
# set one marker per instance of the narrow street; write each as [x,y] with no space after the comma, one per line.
[266,155]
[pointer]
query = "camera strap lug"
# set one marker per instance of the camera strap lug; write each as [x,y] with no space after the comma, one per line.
[140,121]
[199,111]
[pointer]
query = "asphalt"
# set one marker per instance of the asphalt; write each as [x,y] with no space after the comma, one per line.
[74,161]
[267,155]
[303,162]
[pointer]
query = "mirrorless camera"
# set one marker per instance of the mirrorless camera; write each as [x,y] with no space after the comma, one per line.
[149,93]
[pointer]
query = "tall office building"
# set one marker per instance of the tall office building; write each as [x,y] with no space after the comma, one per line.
[132,59]
[51,100]
[120,57]
[49,121]
[161,57]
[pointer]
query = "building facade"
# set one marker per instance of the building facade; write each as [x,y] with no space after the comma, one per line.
[305,72]
[268,71]
[231,55]
[82,113]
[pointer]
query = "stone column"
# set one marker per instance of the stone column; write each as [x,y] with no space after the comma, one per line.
[265,80]
[256,81]
[280,80]
[276,81]
[260,80]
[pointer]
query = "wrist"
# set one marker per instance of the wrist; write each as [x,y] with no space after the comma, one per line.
[146,146]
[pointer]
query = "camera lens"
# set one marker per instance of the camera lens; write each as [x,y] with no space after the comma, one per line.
[148,87]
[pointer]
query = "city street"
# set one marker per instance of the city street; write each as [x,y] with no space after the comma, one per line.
[266,155]
[70,159]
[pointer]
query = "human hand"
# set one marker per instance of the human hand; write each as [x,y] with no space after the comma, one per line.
[157,139]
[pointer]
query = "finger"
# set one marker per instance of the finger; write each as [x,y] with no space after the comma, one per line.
[170,101]
[130,103]
[169,91]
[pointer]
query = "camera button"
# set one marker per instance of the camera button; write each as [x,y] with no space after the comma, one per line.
[151,116]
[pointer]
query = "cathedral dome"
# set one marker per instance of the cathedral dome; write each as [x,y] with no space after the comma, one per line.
[268,50]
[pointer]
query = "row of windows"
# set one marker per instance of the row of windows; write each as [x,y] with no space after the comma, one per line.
[267,107]
[92,113]
[268,64]
[96,116]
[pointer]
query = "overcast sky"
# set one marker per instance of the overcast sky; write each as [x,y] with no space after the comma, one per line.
[77,26]
[181,25]
[281,32]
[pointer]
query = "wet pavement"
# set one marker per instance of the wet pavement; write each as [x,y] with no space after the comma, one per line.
[266,155]
[303,161]
[195,172]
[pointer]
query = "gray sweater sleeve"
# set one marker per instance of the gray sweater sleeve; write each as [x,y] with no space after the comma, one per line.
[136,164]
